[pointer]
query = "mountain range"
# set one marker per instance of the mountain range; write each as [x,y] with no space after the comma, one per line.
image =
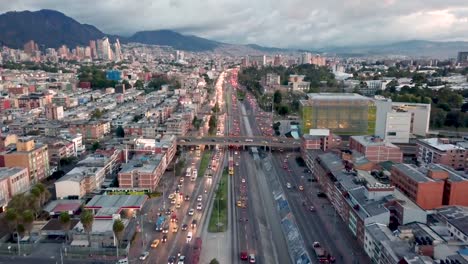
[52,29]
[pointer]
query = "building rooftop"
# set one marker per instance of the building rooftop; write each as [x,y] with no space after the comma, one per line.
[438,144]
[367,207]
[336,96]
[457,216]
[142,163]
[373,141]
[7,172]
[412,171]
[331,161]
[79,173]
[454,176]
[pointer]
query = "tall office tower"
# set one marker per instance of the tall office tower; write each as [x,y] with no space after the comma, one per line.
[92,46]
[63,52]
[88,53]
[30,47]
[118,50]
[99,44]
[462,57]
[306,58]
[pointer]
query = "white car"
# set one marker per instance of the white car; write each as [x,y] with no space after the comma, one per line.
[243,180]
[199,206]
[181,260]
[288,185]
[144,255]
[191,211]
[199,198]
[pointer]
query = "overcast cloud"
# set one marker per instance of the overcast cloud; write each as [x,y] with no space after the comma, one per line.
[279,23]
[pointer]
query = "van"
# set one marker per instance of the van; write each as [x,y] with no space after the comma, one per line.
[189,237]
[25,239]
[249,140]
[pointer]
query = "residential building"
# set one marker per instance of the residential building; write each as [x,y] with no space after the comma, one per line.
[108,159]
[343,114]
[319,139]
[297,83]
[54,112]
[442,151]
[375,149]
[90,130]
[120,88]
[257,60]
[143,172]
[272,79]
[59,149]
[456,219]
[13,180]
[462,57]
[31,156]
[79,182]
[77,140]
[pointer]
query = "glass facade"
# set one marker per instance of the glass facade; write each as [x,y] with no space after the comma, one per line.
[343,114]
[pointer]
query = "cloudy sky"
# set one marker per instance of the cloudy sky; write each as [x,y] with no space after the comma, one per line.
[279,23]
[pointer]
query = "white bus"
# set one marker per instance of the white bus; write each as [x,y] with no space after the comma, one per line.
[195,173]
[189,172]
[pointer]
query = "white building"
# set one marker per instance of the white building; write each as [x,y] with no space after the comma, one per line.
[79,181]
[297,83]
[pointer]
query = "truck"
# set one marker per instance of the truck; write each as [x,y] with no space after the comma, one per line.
[160,223]
[196,250]
[188,173]
[231,165]
[321,253]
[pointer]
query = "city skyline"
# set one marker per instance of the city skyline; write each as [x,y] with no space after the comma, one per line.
[295,24]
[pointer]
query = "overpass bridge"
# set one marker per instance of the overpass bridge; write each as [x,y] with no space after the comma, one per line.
[241,141]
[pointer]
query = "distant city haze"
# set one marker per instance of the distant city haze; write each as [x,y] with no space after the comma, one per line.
[287,24]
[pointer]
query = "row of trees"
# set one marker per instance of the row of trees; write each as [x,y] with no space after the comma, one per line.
[96,76]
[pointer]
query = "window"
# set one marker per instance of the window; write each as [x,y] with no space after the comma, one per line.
[391,133]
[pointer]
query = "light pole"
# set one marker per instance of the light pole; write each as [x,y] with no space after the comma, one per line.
[18,241]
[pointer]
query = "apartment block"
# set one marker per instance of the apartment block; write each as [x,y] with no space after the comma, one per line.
[375,149]
[319,139]
[90,130]
[32,156]
[79,182]
[54,112]
[13,180]
[442,151]
[143,171]
[431,186]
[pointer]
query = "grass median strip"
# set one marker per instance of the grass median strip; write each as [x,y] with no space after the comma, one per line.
[205,160]
[219,214]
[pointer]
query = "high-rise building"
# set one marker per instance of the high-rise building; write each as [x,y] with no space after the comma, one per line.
[277,60]
[93,49]
[30,47]
[257,60]
[106,49]
[118,50]
[179,55]
[31,156]
[306,58]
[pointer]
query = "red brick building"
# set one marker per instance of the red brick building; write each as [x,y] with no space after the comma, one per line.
[375,149]
[442,151]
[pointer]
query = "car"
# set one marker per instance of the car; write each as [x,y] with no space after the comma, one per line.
[181,260]
[237,163]
[243,255]
[181,179]
[193,178]
[171,260]
[199,198]
[288,185]
[144,255]
[194,223]
[177,205]
[177,190]
[252,258]
[243,180]
[164,239]
[312,209]
[184,227]
[187,198]
[173,201]
[321,195]
[301,188]
[165,230]
[199,206]
[168,212]
[239,203]
[155,243]
[175,228]
[171,196]
[191,211]
[189,237]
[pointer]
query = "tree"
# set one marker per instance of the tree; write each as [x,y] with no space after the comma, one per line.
[96,114]
[44,193]
[28,220]
[119,132]
[215,108]
[65,222]
[464,107]
[11,217]
[96,145]
[214,261]
[139,84]
[277,97]
[283,110]
[118,227]
[127,84]
[454,119]
[87,220]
